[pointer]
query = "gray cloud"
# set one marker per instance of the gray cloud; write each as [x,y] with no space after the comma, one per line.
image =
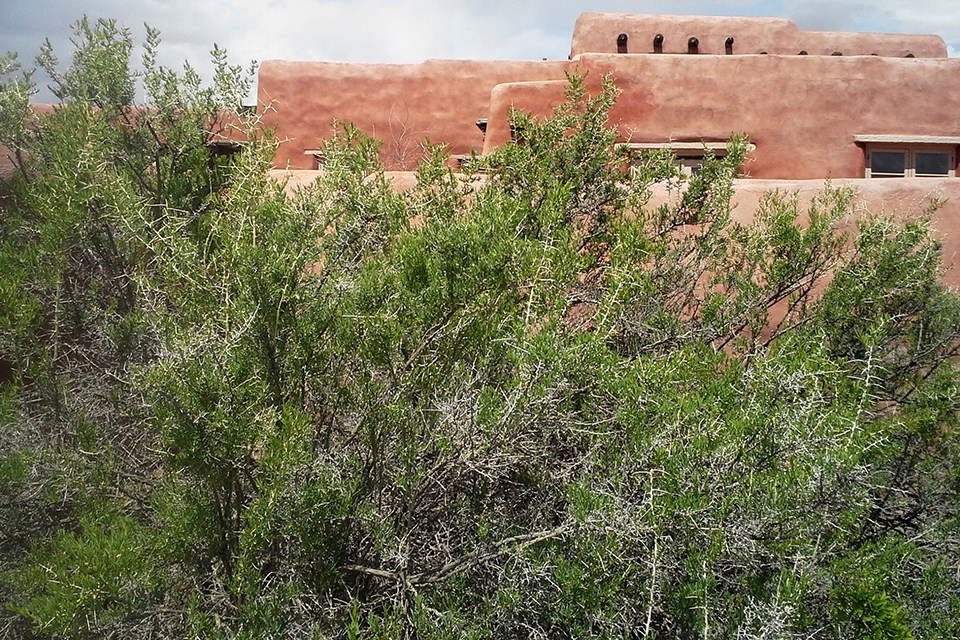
[826,16]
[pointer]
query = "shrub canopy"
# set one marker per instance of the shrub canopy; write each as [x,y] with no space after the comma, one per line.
[513,402]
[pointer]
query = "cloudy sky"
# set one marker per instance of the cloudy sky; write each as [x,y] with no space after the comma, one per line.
[414,30]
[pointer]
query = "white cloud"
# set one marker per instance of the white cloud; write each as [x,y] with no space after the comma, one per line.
[414,30]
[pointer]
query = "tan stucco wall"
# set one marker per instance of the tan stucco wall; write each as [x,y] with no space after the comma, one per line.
[801,112]
[401,104]
[597,33]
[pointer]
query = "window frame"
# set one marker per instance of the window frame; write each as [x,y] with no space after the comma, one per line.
[870,173]
[689,155]
[910,161]
[910,148]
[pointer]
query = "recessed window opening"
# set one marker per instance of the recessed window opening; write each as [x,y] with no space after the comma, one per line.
[837,53]
[622,43]
[803,52]
[658,43]
[318,157]
[909,55]
[693,45]
[728,46]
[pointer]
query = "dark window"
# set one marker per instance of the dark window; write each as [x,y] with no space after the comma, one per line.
[932,164]
[888,164]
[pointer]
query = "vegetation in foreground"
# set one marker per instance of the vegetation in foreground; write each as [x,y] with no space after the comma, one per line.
[522,406]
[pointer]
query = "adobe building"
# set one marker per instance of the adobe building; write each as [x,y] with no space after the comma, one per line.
[848,107]
[813,104]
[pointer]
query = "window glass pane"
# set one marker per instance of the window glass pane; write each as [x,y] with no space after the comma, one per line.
[933,164]
[891,163]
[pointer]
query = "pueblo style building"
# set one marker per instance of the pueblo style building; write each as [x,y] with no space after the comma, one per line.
[813,105]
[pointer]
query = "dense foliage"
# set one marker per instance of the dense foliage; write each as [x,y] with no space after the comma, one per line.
[516,402]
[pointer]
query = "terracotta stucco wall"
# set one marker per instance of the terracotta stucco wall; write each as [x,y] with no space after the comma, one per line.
[399,104]
[801,112]
[598,32]
[901,198]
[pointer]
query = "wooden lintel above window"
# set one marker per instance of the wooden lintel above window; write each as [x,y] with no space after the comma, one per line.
[905,139]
